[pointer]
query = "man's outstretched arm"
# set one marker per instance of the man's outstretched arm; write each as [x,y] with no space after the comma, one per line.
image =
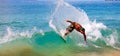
[70,21]
[84,35]
[85,38]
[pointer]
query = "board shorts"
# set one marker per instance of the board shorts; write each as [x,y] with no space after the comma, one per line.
[70,28]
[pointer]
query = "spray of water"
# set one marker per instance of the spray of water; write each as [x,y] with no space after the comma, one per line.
[65,11]
[13,35]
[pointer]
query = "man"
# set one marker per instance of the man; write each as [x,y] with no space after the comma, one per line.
[77,27]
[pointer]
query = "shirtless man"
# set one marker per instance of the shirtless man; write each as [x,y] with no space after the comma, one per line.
[77,27]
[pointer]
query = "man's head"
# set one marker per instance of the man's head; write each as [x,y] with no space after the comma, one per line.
[82,30]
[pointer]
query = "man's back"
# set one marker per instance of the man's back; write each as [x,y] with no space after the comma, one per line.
[77,26]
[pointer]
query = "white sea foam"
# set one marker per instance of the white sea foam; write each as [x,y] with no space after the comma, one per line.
[65,11]
[13,35]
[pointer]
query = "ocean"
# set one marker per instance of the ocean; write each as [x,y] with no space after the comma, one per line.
[34,28]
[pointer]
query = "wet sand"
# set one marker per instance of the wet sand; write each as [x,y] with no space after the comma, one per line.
[104,52]
[25,49]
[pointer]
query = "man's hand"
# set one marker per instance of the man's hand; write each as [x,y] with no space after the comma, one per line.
[68,21]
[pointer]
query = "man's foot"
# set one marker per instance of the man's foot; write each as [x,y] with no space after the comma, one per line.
[62,32]
[63,35]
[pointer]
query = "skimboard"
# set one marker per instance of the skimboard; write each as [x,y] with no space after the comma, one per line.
[62,35]
[63,38]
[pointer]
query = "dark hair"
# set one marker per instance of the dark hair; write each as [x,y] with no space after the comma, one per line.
[82,29]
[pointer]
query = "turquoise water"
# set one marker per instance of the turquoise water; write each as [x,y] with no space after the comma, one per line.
[25,28]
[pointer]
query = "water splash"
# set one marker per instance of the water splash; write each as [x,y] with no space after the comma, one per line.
[6,38]
[65,11]
[62,12]
[13,35]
